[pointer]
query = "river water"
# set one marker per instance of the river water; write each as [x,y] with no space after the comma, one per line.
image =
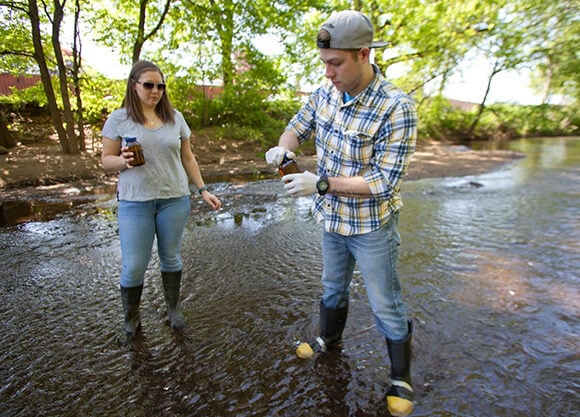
[489,267]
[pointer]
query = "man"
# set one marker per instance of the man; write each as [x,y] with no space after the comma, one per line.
[365,131]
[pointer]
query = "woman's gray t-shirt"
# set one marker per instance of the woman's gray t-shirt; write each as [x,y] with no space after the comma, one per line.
[163,175]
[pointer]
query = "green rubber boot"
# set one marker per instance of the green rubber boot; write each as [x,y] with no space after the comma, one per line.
[171,287]
[332,322]
[400,395]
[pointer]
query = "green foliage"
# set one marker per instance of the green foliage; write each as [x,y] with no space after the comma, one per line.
[100,97]
[124,24]
[244,112]
[543,120]
[33,96]
[439,120]
[213,42]
[554,33]
[16,41]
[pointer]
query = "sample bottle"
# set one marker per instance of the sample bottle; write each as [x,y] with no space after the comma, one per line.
[137,149]
[288,166]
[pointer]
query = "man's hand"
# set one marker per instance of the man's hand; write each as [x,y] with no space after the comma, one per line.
[300,184]
[275,155]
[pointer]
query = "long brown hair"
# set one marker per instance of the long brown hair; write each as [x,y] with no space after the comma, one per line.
[132,103]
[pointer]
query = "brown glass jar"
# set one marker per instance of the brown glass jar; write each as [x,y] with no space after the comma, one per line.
[135,147]
[288,166]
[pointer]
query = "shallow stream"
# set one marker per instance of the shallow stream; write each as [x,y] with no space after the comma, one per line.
[489,266]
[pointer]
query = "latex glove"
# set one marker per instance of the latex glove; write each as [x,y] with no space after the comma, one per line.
[300,184]
[275,155]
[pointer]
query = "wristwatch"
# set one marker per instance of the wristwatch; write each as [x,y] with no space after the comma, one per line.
[322,185]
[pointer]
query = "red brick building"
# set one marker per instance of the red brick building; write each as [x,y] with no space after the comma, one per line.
[17,81]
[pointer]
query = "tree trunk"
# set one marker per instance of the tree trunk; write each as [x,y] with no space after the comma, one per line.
[45,75]
[494,72]
[72,140]
[76,81]
[547,85]
[138,45]
[444,79]
[227,63]
[226,34]
[7,138]
[141,35]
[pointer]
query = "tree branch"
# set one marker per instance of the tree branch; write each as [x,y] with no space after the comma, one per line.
[17,53]
[161,19]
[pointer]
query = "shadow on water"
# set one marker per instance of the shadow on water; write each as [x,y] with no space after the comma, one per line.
[489,273]
[18,210]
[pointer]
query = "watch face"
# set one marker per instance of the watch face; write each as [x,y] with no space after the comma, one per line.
[322,186]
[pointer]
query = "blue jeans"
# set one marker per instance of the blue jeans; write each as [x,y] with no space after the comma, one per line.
[376,254]
[139,223]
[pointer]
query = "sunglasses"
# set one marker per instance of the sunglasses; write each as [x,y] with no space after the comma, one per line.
[150,86]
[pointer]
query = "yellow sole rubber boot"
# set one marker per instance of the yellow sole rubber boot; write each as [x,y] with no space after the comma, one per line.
[306,350]
[400,399]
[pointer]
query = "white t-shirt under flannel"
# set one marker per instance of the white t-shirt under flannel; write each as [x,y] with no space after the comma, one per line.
[374,136]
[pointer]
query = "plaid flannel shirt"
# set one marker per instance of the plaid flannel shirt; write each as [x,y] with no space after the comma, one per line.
[373,136]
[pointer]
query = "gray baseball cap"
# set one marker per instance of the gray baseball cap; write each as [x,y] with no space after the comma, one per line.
[349,29]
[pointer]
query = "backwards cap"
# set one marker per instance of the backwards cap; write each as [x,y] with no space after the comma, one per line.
[349,29]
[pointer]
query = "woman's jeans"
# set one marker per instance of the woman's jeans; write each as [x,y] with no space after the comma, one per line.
[376,254]
[139,223]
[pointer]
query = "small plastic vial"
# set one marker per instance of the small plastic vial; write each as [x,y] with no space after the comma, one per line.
[288,166]
[135,147]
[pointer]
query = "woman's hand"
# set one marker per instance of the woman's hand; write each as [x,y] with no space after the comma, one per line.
[128,157]
[115,158]
[211,200]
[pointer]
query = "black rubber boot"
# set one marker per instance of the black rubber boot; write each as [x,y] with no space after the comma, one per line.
[400,395]
[332,322]
[131,297]
[171,287]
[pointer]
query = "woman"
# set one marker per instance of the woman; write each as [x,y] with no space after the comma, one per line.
[154,198]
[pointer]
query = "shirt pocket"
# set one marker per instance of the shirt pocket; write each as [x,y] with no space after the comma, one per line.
[359,146]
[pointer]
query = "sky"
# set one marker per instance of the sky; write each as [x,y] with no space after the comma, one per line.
[104,60]
[507,87]
[467,85]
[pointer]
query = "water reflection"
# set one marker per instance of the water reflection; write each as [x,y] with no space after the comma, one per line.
[22,208]
[490,273]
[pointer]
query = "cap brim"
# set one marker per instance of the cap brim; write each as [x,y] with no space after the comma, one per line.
[379,44]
